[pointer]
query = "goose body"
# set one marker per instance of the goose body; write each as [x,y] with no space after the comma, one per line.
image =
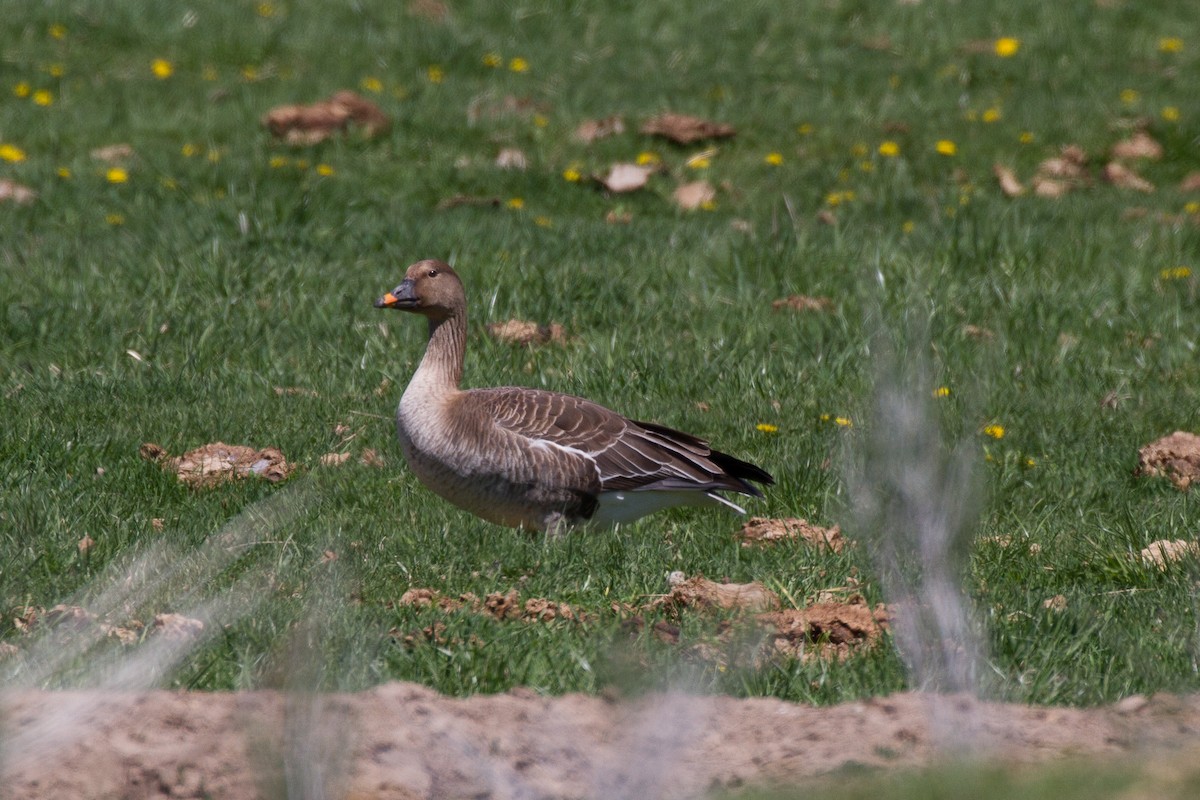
[535,459]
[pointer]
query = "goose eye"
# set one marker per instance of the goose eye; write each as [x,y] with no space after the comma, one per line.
[433,273]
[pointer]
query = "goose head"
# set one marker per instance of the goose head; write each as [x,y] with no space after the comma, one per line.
[430,288]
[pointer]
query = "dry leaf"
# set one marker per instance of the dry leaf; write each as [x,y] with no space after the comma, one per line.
[977,332]
[217,462]
[177,626]
[370,458]
[1049,187]
[625,178]
[1176,457]
[157,523]
[802,302]
[434,10]
[1163,552]
[618,217]
[1140,145]
[826,217]
[1118,174]
[113,153]
[761,530]
[328,556]
[1190,182]
[13,192]
[684,129]
[693,195]
[1007,180]
[307,125]
[86,543]
[1057,603]
[593,129]
[511,158]
[295,391]
[486,106]
[334,459]
[518,331]
[702,593]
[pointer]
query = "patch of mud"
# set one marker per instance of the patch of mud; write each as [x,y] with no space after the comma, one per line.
[404,741]
[1176,457]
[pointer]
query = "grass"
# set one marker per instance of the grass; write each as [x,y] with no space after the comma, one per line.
[231,265]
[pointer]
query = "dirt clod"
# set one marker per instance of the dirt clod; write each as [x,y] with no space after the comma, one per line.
[761,531]
[685,129]
[310,124]
[700,592]
[523,332]
[215,463]
[1176,457]
[1164,552]
[824,629]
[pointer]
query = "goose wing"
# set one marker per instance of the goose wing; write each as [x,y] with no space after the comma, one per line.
[626,454]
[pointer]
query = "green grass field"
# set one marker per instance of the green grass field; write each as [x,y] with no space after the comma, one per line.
[231,265]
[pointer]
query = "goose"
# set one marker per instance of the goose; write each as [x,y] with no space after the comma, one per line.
[534,459]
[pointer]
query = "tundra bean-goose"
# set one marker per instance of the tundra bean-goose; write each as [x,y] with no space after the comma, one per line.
[534,459]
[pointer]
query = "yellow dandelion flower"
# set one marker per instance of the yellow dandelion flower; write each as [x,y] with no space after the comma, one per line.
[188,150]
[114,219]
[766,427]
[1176,273]
[805,128]
[837,198]
[708,205]
[699,162]
[57,31]
[64,173]
[866,166]
[648,158]
[11,153]
[1030,463]
[825,417]
[1170,113]
[908,227]
[162,68]
[324,169]
[492,59]
[265,10]
[844,422]
[941,391]
[213,156]
[540,120]
[1006,46]
[774,159]
[994,431]
[250,72]
[208,73]
[991,115]
[1192,207]
[572,174]
[371,84]
[43,97]
[889,149]
[1026,137]
[946,147]
[277,161]
[435,73]
[56,70]
[1170,44]
[518,64]
[116,175]
[515,203]
[22,90]
[1129,96]
[542,222]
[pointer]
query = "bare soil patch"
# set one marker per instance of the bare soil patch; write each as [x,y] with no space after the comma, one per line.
[405,741]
